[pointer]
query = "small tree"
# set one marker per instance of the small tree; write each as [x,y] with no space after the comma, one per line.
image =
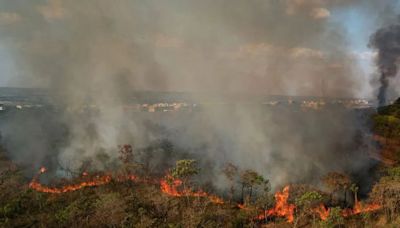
[184,169]
[354,189]
[337,182]
[305,203]
[266,199]
[250,179]
[335,218]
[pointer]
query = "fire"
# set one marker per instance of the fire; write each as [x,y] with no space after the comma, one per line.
[215,199]
[242,207]
[360,208]
[322,211]
[97,181]
[69,188]
[170,186]
[174,187]
[281,208]
[42,170]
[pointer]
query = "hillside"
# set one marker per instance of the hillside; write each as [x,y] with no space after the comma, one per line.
[131,196]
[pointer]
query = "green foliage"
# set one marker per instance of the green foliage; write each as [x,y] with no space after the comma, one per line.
[354,188]
[387,121]
[250,178]
[308,199]
[387,125]
[144,205]
[335,218]
[394,172]
[184,169]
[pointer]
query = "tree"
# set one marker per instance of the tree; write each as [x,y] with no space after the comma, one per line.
[250,179]
[387,192]
[184,169]
[305,203]
[231,172]
[335,218]
[266,199]
[337,182]
[354,188]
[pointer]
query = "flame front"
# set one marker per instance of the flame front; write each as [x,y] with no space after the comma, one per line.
[97,181]
[282,208]
[174,187]
[358,208]
[170,186]
[70,188]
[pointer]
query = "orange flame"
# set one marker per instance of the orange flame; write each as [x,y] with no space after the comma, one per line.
[97,181]
[358,208]
[170,186]
[173,187]
[281,208]
[242,207]
[42,170]
[322,211]
[69,188]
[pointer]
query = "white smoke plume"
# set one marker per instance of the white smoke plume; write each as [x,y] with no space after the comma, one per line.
[97,52]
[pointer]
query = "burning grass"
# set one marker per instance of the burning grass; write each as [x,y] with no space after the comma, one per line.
[174,188]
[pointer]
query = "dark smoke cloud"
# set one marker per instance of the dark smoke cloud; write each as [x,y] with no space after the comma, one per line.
[387,42]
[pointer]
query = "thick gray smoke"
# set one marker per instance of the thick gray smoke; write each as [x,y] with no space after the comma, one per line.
[95,53]
[387,41]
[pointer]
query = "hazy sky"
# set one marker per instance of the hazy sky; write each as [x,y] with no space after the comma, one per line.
[265,46]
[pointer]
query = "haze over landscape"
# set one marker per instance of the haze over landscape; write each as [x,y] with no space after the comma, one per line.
[291,91]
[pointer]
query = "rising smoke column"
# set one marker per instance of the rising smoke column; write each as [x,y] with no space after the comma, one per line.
[387,42]
[97,52]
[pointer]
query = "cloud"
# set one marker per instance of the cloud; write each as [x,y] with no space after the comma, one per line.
[7,18]
[320,13]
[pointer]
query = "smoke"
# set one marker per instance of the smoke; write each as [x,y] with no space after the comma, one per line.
[387,42]
[95,53]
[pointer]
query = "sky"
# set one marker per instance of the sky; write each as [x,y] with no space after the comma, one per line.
[289,47]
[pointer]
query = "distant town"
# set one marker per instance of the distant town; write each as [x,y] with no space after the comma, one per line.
[24,99]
